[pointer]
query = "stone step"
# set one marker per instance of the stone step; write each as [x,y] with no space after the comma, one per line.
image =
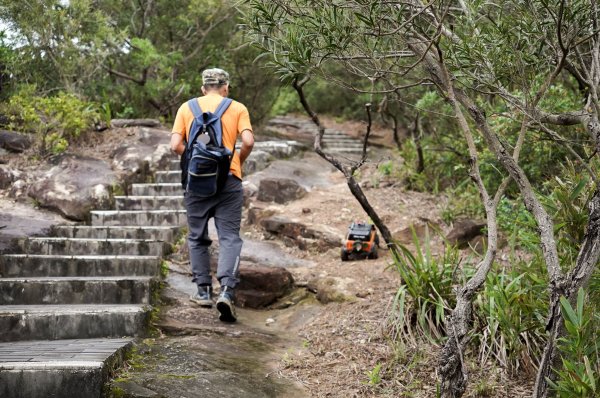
[53,322]
[336,133]
[172,176]
[164,189]
[139,217]
[167,234]
[339,136]
[75,290]
[149,202]
[343,145]
[174,165]
[345,150]
[61,368]
[106,247]
[38,265]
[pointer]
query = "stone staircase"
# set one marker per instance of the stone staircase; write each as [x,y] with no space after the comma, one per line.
[71,304]
[334,141]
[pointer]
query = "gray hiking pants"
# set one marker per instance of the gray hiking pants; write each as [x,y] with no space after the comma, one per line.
[226,209]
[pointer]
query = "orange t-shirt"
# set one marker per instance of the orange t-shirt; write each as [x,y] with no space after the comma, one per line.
[235,120]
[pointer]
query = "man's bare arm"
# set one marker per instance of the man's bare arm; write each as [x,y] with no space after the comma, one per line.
[247,145]
[177,145]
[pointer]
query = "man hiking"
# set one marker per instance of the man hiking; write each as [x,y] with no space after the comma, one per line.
[225,206]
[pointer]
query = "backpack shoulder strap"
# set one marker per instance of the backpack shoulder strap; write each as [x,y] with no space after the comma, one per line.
[195,107]
[221,109]
[223,106]
[197,112]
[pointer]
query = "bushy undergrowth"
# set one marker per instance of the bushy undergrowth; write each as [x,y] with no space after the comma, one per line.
[428,280]
[510,314]
[55,120]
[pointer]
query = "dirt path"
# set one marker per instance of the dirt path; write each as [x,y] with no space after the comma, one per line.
[308,349]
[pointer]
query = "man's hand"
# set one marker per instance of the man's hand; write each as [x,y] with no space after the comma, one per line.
[247,145]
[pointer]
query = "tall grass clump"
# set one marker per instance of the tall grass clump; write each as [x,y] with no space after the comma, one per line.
[510,315]
[425,296]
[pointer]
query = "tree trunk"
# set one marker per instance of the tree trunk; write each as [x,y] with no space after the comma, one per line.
[587,261]
[348,172]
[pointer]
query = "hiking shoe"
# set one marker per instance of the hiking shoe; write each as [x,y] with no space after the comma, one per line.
[225,305]
[203,296]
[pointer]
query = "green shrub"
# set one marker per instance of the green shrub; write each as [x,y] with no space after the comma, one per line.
[55,120]
[463,201]
[579,375]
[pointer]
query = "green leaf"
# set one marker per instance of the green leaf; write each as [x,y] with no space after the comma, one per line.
[567,310]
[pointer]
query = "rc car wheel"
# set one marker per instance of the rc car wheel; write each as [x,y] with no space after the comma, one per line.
[344,255]
[373,255]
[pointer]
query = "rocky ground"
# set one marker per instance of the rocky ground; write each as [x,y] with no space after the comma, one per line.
[329,337]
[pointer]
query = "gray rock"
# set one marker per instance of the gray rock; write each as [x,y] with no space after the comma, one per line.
[319,237]
[258,211]
[280,190]
[257,161]
[250,191]
[144,151]
[119,123]
[18,220]
[7,176]
[14,142]
[131,389]
[262,286]
[332,289]
[75,186]
[18,189]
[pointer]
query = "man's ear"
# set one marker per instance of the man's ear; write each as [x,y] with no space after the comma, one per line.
[225,90]
[203,90]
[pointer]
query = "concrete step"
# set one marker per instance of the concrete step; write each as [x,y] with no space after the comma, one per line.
[38,265]
[149,202]
[61,368]
[164,189]
[53,322]
[172,176]
[106,247]
[167,234]
[139,217]
[174,165]
[75,290]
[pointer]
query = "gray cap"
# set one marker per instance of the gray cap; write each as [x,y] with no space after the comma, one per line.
[215,76]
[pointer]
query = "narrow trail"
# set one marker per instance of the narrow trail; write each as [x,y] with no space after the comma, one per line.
[196,355]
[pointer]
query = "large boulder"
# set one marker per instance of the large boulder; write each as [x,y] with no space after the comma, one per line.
[14,142]
[464,231]
[319,237]
[280,190]
[262,286]
[20,219]
[74,186]
[332,289]
[420,229]
[144,150]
